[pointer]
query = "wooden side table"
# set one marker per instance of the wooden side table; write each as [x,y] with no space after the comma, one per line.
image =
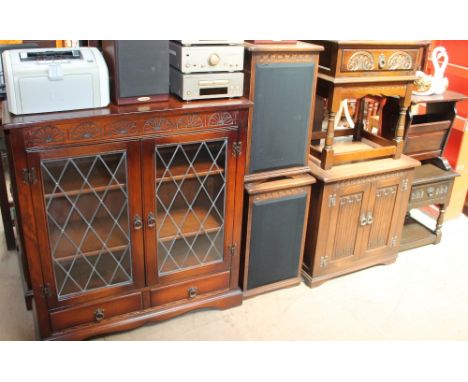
[354,70]
[431,185]
[426,133]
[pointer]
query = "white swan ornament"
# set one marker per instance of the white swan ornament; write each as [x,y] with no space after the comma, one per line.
[436,84]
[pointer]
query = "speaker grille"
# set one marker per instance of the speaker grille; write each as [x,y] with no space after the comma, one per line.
[276,237]
[143,68]
[280,121]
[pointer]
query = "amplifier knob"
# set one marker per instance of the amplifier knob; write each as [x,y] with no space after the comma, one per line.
[213,60]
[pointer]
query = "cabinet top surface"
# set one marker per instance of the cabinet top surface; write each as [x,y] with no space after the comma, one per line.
[448,96]
[361,169]
[279,47]
[378,43]
[429,173]
[173,105]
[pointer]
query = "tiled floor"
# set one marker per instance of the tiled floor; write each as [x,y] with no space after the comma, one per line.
[424,295]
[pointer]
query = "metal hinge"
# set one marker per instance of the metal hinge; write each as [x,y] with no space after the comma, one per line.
[29,175]
[323,261]
[45,290]
[232,250]
[332,200]
[237,149]
[394,241]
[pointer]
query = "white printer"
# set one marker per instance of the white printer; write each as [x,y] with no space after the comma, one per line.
[46,80]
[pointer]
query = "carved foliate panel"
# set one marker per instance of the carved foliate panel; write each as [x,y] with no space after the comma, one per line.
[361,61]
[400,61]
[121,127]
[43,135]
[85,130]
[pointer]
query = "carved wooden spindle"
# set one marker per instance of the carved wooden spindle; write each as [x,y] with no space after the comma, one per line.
[327,152]
[400,131]
[440,221]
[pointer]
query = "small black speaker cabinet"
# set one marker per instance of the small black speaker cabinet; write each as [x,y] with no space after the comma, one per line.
[274,232]
[138,70]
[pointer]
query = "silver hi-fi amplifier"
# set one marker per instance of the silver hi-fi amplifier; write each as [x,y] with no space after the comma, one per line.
[206,85]
[206,58]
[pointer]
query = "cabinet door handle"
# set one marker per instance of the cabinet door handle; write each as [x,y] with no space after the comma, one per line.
[151,220]
[370,218]
[363,220]
[192,292]
[137,223]
[99,314]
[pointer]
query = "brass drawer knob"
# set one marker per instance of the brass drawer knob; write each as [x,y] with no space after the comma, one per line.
[363,220]
[192,292]
[99,314]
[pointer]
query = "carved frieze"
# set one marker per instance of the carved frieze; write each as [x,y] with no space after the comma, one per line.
[121,127]
[43,135]
[350,199]
[400,61]
[221,119]
[280,193]
[387,191]
[361,61]
[85,130]
[155,124]
[190,121]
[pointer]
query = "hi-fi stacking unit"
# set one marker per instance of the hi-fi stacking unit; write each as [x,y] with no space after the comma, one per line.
[204,69]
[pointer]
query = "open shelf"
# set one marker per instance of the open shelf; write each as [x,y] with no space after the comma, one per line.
[87,190]
[415,235]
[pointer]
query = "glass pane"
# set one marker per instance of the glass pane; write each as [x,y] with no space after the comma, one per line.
[190,199]
[87,213]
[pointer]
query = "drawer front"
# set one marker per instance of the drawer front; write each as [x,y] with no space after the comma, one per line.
[429,194]
[426,142]
[97,312]
[190,290]
[375,60]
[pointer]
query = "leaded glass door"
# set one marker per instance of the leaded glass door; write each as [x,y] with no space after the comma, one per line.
[190,206]
[90,198]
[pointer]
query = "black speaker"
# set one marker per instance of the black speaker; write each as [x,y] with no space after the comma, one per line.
[280,127]
[274,232]
[138,70]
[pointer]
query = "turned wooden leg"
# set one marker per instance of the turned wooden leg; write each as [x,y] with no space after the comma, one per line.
[359,125]
[400,131]
[327,152]
[440,221]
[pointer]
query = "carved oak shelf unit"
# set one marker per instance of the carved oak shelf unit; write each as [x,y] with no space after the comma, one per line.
[431,186]
[354,70]
[129,214]
[356,216]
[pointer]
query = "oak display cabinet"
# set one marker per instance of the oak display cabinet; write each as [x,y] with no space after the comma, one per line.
[129,214]
[356,216]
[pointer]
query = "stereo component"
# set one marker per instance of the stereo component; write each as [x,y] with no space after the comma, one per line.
[206,85]
[211,42]
[206,58]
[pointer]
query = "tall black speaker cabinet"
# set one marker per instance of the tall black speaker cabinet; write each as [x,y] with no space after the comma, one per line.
[138,70]
[280,79]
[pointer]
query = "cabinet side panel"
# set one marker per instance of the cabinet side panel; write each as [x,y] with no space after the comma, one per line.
[275,246]
[280,128]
